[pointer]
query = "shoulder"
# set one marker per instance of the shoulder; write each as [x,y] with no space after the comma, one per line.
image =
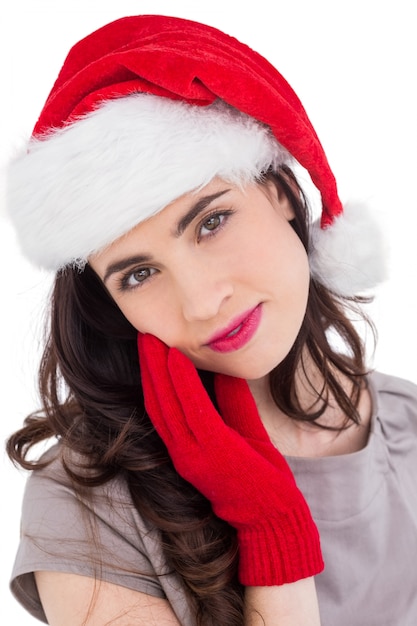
[53,484]
[56,506]
[395,402]
[95,532]
[64,527]
[393,389]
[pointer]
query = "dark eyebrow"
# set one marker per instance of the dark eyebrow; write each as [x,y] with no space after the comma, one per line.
[195,210]
[182,224]
[118,266]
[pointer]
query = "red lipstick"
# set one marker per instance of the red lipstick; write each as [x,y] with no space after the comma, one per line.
[238,333]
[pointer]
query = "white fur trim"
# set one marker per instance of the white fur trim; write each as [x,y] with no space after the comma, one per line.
[350,256]
[79,188]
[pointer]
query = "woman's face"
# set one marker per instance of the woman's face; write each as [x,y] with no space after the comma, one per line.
[219,274]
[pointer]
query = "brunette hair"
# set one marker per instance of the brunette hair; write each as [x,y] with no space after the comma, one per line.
[92,400]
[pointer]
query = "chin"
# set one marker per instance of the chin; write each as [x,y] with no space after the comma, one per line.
[252,363]
[247,368]
[256,373]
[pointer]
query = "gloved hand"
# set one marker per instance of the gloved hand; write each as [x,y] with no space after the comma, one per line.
[248,484]
[239,411]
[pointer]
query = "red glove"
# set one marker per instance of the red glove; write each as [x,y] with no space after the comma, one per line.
[239,411]
[248,484]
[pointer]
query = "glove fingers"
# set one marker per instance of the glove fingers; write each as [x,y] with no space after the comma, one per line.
[239,411]
[202,417]
[161,400]
[238,407]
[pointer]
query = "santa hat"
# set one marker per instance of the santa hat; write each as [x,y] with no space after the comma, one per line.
[148,108]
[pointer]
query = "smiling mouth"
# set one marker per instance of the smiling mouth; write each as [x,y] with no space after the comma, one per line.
[240,334]
[235,331]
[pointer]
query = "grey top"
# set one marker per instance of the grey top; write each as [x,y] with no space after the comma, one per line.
[365,505]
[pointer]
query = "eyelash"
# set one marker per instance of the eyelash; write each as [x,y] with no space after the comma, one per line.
[123,282]
[212,233]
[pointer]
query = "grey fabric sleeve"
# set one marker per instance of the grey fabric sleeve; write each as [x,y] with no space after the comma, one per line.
[102,537]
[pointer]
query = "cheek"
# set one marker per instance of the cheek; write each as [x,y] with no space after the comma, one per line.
[282,259]
[296,278]
[299,271]
[155,318]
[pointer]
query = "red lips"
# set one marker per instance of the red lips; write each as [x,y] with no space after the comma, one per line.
[238,333]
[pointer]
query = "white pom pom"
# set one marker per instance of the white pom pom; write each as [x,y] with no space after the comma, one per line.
[350,256]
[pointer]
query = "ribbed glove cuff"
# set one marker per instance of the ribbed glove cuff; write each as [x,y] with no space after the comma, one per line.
[274,554]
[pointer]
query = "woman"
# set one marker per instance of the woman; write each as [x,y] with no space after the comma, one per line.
[158,185]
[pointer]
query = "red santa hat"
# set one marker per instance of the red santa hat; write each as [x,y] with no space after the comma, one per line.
[148,108]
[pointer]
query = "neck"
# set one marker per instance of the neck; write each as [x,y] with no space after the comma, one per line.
[305,438]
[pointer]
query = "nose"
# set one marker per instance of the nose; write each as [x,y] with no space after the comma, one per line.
[203,291]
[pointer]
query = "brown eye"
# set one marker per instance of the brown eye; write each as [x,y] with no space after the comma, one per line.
[137,277]
[140,275]
[212,222]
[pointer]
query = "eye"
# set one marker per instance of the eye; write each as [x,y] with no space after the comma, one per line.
[136,278]
[213,223]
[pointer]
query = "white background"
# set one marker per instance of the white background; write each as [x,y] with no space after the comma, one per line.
[353,64]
